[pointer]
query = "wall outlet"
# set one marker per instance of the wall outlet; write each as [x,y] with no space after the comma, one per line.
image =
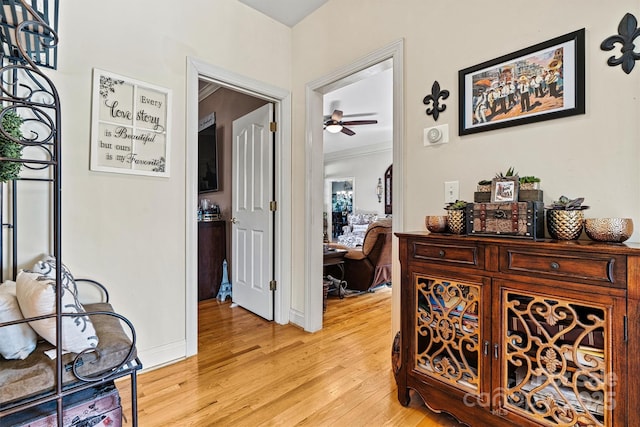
[451,191]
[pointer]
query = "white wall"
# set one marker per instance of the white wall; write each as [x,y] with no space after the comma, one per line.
[365,168]
[129,231]
[576,156]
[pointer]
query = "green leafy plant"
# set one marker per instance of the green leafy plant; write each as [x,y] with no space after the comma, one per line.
[457,205]
[529,179]
[11,123]
[566,204]
[508,174]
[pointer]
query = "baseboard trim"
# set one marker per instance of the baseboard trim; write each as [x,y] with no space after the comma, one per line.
[296,317]
[163,355]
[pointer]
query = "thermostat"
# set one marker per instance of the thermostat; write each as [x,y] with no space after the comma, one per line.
[436,135]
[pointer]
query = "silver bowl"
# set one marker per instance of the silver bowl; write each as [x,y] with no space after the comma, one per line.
[615,230]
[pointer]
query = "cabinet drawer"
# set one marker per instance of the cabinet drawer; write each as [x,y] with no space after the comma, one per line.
[466,255]
[599,268]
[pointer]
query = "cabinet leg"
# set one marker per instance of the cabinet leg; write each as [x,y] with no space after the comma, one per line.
[403,396]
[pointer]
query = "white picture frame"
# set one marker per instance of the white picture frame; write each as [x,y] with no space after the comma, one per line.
[130,126]
[504,190]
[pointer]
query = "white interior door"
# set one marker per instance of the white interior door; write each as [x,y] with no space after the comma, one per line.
[252,224]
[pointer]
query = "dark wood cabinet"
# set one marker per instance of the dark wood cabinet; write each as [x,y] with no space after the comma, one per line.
[519,332]
[212,251]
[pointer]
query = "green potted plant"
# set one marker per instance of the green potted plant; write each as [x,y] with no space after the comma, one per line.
[456,216]
[484,186]
[565,218]
[508,174]
[11,123]
[529,182]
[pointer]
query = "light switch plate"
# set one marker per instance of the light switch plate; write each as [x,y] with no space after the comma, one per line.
[451,191]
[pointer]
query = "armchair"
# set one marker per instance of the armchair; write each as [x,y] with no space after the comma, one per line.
[368,266]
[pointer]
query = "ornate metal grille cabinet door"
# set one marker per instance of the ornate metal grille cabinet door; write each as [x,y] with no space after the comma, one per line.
[557,360]
[448,332]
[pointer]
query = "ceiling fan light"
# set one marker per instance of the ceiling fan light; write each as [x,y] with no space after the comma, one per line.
[334,127]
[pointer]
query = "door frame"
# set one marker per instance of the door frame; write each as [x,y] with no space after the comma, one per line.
[314,186]
[198,69]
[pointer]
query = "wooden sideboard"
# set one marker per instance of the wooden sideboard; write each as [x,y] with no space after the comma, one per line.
[503,331]
[212,251]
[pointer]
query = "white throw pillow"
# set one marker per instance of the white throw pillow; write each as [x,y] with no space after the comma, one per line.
[37,297]
[360,228]
[16,341]
[48,268]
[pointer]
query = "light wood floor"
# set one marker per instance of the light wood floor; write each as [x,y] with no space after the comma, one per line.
[251,372]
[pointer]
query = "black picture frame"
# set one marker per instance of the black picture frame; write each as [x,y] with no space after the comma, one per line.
[491,94]
[388,190]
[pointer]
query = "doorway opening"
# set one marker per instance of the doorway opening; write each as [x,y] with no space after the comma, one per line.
[315,171]
[199,71]
[339,195]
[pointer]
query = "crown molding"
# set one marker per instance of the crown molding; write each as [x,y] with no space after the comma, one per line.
[207,89]
[358,152]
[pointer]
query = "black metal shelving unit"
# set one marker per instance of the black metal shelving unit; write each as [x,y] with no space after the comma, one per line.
[29,39]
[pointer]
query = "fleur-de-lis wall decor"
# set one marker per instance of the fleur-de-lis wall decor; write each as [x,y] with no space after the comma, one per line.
[434,99]
[628,31]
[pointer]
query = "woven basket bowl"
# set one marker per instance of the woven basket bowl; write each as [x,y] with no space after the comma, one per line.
[615,230]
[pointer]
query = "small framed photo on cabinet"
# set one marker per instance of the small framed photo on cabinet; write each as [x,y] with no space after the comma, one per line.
[504,190]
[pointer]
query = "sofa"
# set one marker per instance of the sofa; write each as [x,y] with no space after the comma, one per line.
[369,265]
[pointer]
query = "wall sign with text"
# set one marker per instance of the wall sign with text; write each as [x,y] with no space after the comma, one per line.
[129,126]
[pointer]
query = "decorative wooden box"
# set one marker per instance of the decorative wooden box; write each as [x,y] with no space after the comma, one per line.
[511,219]
[523,196]
[482,196]
[529,195]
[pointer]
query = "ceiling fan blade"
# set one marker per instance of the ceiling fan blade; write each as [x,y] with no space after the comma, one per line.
[359,122]
[336,115]
[344,116]
[347,131]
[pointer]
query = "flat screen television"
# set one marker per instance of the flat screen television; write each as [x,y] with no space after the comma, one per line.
[208,179]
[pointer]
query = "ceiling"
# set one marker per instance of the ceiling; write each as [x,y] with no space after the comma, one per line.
[365,95]
[369,96]
[288,12]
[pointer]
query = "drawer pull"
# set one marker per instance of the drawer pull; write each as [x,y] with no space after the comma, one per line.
[441,253]
[555,266]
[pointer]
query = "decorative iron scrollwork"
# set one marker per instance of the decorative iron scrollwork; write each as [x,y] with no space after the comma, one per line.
[447,331]
[628,31]
[28,43]
[434,99]
[557,359]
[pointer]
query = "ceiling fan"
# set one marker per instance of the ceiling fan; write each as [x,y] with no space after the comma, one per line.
[334,123]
